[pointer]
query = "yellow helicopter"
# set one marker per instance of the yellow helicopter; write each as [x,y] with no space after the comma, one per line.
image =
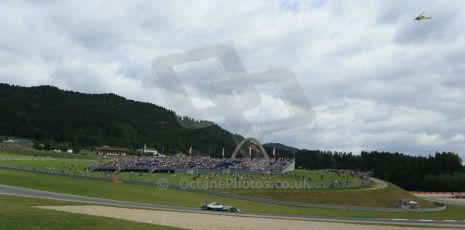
[421,17]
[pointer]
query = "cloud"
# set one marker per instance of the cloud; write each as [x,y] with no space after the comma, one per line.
[376,78]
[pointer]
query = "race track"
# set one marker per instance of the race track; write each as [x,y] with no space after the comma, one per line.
[17,191]
[203,221]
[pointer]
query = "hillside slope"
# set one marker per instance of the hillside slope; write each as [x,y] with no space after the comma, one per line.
[51,115]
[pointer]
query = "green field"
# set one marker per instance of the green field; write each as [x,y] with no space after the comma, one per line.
[11,154]
[368,198]
[20,213]
[148,194]
[352,195]
[298,178]
[316,192]
[41,162]
[28,153]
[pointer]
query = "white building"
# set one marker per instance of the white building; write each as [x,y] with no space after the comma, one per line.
[19,142]
[146,150]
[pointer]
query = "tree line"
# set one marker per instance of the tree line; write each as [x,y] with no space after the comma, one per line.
[439,172]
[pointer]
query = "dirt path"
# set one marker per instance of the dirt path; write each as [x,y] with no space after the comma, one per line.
[380,184]
[207,222]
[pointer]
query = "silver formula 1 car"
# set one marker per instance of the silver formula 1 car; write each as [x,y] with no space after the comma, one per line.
[215,206]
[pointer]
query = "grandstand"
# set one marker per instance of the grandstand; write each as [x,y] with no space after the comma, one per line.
[182,163]
[255,160]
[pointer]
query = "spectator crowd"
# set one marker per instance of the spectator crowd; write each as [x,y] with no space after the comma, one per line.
[185,162]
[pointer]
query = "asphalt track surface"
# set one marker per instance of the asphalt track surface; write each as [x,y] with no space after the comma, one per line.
[17,191]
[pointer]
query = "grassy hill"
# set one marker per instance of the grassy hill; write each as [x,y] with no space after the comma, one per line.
[57,117]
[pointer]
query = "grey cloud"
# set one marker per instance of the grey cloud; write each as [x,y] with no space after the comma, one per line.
[378,79]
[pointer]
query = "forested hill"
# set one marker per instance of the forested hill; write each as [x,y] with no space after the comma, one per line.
[53,116]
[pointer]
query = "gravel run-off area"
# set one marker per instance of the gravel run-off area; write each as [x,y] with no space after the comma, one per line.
[202,221]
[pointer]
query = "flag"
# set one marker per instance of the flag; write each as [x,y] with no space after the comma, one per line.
[190,151]
[274,151]
[223,152]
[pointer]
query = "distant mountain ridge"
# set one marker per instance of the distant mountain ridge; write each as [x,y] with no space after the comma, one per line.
[282,147]
[48,114]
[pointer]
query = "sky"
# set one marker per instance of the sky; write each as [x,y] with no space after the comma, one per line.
[375,78]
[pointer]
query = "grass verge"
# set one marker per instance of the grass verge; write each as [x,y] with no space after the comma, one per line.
[368,198]
[148,194]
[19,213]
